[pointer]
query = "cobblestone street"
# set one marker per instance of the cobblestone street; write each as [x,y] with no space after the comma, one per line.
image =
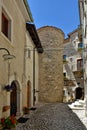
[57,116]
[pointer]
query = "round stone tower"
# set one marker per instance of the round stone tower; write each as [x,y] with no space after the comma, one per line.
[51,64]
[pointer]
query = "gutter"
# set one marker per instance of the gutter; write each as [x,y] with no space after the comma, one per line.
[34,35]
[28,10]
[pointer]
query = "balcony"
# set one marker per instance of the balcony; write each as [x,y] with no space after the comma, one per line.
[68,82]
[78,73]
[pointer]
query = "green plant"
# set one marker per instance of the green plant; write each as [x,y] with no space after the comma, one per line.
[65,61]
[80,49]
[9,122]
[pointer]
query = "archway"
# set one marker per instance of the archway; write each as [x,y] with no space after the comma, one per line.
[79,93]
[15,98]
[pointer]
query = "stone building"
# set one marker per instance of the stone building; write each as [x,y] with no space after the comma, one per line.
[73,65]
[51,64]
[32,64]
[16,71]
[83,23]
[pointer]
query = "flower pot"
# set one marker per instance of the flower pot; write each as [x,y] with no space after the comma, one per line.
[1,127]
[5,108]
[26,110]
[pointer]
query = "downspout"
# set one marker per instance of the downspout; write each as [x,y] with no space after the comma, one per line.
[34,98]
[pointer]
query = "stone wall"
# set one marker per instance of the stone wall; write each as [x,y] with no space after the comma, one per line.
[51,64]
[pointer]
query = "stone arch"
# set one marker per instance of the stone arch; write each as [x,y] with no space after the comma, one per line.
[15,98]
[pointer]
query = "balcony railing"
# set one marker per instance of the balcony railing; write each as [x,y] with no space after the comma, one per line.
[69,82]
[78,73]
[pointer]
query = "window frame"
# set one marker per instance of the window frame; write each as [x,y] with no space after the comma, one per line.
[9,17]
[4,26]
[79,63]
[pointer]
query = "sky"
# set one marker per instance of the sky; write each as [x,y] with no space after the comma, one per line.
[63,14]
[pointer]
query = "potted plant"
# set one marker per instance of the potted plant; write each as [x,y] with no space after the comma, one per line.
[5,108]
[25,110]
[9,122]
[8,88]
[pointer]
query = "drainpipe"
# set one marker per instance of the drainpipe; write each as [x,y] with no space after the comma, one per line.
[34,98]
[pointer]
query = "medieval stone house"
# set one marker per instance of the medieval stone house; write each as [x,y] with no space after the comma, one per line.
[73,65]
[17,81]
[51,64]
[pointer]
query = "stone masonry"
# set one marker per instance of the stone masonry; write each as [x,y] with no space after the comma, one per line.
[51,64]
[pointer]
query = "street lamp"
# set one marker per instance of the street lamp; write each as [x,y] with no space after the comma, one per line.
[7,56]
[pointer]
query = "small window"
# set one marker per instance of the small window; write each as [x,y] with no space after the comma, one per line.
[79,63]
[6,25]
[64,74]
[71,59]
[72,67]
[64,57]
[28,53]
[80,45]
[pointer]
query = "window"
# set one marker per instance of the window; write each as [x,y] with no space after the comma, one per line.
[80,45]
[79,63]
[71,59]
[64,57]
[6,25]
[72,67]
[64,74]
[28,53]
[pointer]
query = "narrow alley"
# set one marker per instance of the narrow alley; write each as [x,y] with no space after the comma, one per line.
[56,116]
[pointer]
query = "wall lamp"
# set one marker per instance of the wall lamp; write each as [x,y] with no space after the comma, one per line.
[8,55]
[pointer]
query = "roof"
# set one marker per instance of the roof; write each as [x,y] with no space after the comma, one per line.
[74,31]
[66,40]
[33,33]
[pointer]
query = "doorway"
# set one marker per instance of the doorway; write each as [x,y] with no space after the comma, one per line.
[13,99]
[79,93]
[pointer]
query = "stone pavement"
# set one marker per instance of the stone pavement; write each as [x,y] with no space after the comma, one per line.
[56,116]
[82,116]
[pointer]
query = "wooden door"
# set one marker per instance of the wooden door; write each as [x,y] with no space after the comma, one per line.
[28,96]
[13,100]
